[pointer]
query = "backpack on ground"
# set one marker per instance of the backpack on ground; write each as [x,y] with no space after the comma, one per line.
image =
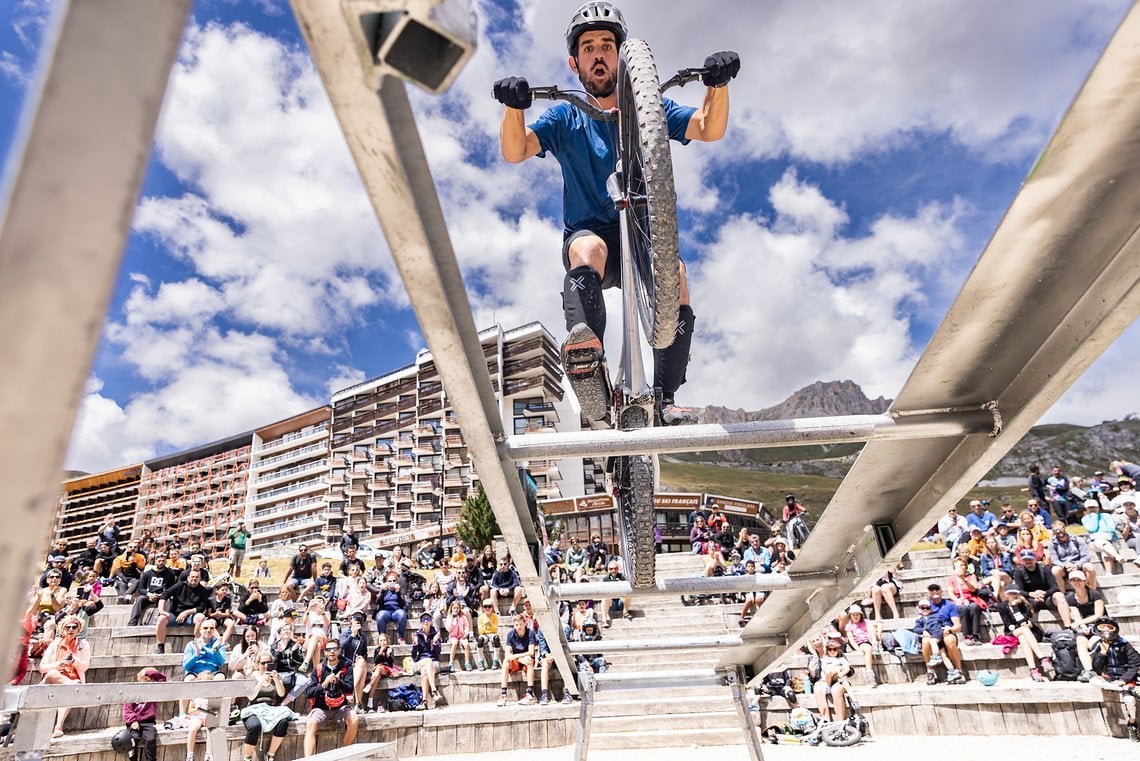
[406,697]
[1066,664]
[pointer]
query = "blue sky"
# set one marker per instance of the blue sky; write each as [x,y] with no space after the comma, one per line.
[872,150]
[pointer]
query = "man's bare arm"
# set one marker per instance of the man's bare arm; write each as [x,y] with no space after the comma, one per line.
[710,121]
[517,141]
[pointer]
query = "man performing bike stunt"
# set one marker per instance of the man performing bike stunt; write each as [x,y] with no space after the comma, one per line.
[585,150]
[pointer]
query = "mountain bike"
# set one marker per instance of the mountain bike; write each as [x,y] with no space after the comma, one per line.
[642,191]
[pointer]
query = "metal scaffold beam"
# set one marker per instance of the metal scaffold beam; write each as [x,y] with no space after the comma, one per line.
[68,197]
[757,434]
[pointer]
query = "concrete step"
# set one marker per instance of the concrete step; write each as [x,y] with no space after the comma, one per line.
[722,720]
[665,738]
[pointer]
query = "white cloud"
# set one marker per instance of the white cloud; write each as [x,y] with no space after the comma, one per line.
[1107,391]
[784,302]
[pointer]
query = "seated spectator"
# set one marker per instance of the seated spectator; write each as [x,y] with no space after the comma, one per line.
[699,536]
[352,596]
[262,570]
[1114,659]
[1039,511]
[354,650]
[104,559]
[1019,619]
[715,564]
[325,585]
[577,560]
[220,607]
[781,554]
[48,600]
[962,552]
[757,553]
[1102,534]
[887,589]
[288,653]
[139,719]
[66,661]
[615,606]
[752,600]
[328,691]
[197,563]
[487,635]
[243,659]
[1007,537]
[980,518]
[597,553]
[445,576]
[435,603]
[126,570]
[743,540]
[265,712]
[1070,553]
[253,609]
[203,659]
[317,626]
[996,566]
[863,637]
[1038,585]
[974,546]
[506,585]
[834,670]
[152,585]
[964,588]
[459,632]
[184,604]
[426,647]
[58,564]
[952,528]
[725,539]
[1128,523]
[1027,542]
[391,607]
[521,652]
[299,583]
[463,592]
[385,659]
[88,598]
[437,553]
[424,556]
[351,560]
[947,613]
[593,662]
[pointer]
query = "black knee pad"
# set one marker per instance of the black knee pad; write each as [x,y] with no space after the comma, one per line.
[582,299]
[670,363]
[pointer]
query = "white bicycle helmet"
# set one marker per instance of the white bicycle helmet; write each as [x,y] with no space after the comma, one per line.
[597,14]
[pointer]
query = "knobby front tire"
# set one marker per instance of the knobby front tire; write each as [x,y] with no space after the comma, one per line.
[636,478]
[647,175]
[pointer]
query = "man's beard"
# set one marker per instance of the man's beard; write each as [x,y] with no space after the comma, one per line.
[605,90]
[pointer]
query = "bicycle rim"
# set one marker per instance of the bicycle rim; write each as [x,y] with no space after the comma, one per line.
[647,174]
[840,735]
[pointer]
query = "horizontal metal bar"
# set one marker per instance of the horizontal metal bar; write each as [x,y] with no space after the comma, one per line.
[656,643]
[711,585]
[645,680]
[754,435]
[61,695]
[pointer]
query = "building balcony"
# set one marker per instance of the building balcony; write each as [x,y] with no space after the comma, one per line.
[456,502]
[336,479]
[380,450]
[423,507]
[401,515]
[356,490]
[423,487]
[297,438]
[357,456]
[452,481]
[450,421]
[378,504]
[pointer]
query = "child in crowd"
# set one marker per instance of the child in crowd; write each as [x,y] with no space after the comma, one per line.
[140,718]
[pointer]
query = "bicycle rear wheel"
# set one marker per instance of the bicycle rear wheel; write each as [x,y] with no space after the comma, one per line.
[635,479]
[647,178]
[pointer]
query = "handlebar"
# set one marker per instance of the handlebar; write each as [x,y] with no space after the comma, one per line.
[552,92]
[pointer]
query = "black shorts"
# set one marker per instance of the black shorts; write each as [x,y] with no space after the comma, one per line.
[611,236]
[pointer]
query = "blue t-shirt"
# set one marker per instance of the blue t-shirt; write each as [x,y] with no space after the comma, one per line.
[946,610]
[985,521]
[586,150]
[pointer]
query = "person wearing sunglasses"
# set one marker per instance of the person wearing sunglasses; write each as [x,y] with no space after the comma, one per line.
[66,661]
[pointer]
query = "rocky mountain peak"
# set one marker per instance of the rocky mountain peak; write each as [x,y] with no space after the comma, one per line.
[820,399]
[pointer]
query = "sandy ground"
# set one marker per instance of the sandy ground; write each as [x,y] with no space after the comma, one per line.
[871,749]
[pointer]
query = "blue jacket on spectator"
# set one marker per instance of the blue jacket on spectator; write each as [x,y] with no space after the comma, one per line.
[211,659]
[931,625]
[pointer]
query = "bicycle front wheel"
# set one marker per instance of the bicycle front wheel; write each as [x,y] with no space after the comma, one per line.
[647,178]
[634,478]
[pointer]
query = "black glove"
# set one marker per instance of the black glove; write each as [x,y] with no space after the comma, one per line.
[513,92]
[722,67]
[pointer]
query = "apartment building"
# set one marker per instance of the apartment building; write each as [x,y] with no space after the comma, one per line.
[88,502]
[288,484]
[195,495]
[401,470]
